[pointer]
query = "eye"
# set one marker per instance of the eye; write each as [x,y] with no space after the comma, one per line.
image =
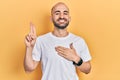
[65,13]
[57,13]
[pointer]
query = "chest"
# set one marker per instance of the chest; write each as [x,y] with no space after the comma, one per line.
[49,52]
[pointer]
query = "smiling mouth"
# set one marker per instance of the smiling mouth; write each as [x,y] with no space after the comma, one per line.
[61,21]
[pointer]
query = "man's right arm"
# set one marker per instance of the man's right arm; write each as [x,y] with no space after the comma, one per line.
[30,39]
[29,63]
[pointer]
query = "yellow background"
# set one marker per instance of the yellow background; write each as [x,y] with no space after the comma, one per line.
[97,21]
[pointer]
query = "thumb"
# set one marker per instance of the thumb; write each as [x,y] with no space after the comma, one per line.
[71,46]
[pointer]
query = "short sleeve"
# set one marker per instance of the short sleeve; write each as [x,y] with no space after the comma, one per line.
[36,53]
[82,50]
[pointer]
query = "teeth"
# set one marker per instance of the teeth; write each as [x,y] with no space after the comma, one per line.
[61,20]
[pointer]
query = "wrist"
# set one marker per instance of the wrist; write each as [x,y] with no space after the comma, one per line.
[29,50]
[29,47]
[78,61]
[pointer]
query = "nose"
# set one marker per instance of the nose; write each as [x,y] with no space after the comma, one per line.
[61,15]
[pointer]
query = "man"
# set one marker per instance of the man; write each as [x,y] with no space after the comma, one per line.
[59,51]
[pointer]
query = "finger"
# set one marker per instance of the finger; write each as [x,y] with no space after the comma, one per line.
[60,49]
[33,37]
[60,52]
[27,38]
[32,28]
[62,55]
[71,46]
[30,36]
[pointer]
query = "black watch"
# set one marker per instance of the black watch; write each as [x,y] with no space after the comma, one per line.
[79,62]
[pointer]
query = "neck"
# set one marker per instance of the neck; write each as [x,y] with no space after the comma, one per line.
[60,32]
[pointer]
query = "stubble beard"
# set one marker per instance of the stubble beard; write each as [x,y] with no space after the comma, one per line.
[60,26]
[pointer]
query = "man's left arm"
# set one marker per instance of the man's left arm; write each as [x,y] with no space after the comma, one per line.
[71,54]
[84,67]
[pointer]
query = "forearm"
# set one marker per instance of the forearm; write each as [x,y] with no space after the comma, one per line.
[85,67]
[28,61]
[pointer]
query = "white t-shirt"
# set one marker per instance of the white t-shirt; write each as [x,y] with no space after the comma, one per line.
[55,67]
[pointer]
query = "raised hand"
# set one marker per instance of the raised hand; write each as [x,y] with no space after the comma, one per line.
[31,37]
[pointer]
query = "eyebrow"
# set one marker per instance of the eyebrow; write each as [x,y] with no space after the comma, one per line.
[59,11]
[66,11]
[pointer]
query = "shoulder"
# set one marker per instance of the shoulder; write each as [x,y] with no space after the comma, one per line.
[77,38]
[44,36]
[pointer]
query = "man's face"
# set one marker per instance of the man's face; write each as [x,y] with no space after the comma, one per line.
[60,16]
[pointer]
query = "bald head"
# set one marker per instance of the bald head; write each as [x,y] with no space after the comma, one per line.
[59,4]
